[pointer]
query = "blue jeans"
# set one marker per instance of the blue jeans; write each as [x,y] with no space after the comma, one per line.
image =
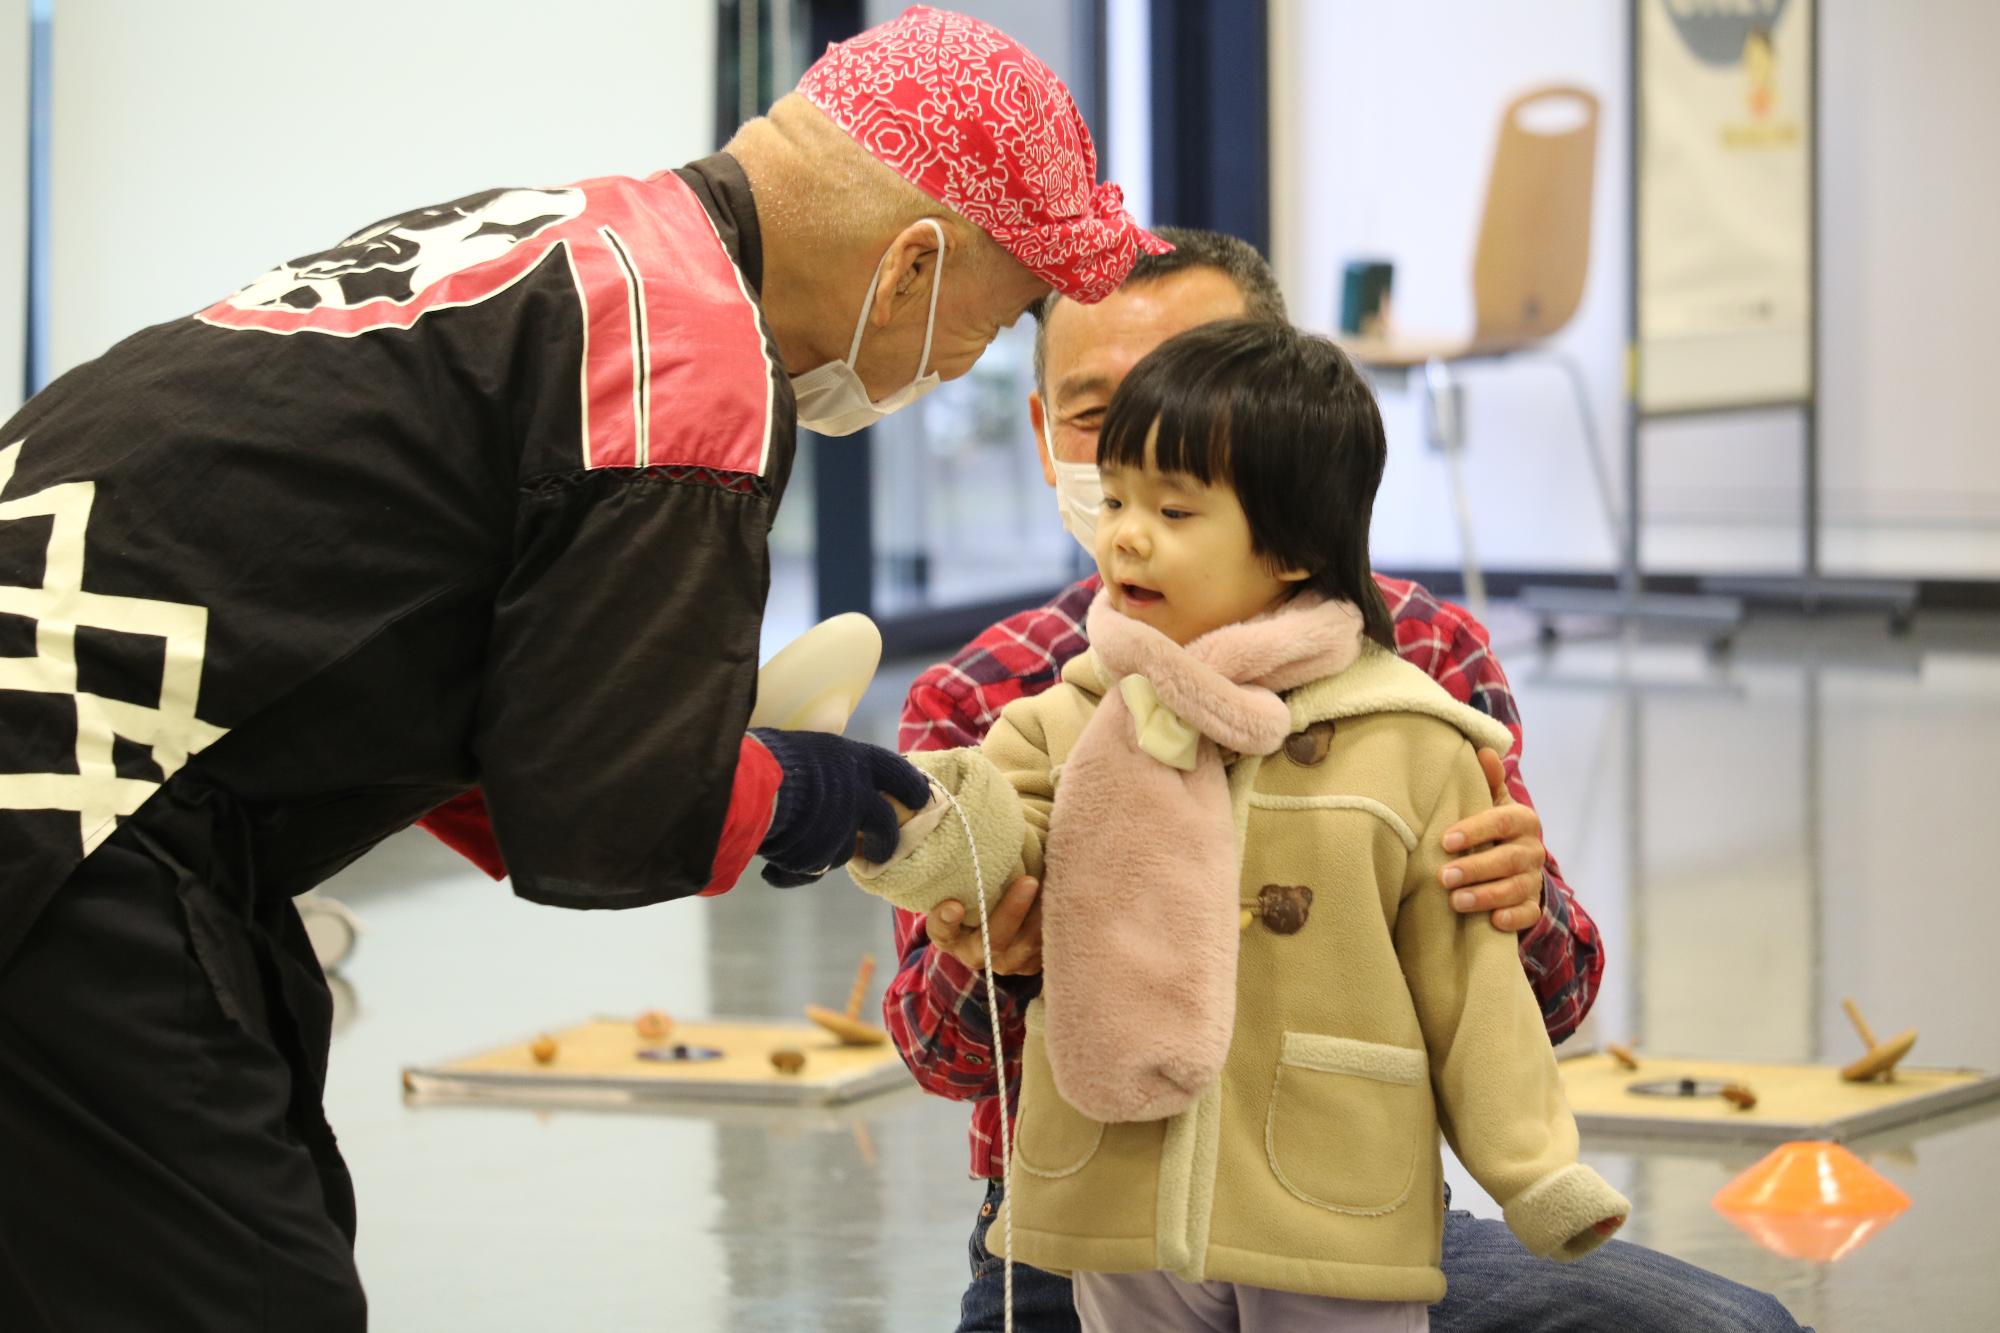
[1496,1287]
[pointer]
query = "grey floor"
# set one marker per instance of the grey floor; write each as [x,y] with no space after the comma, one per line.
[1758,835]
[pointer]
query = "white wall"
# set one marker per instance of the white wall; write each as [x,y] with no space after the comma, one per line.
[198,143]
[1385,134]
[1910,190]
[1384,117]
[13,200]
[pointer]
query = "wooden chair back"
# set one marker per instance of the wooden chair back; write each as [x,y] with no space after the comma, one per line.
[1534,238]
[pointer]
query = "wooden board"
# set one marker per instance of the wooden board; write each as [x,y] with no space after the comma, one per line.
[1793,1101]
[598,1063]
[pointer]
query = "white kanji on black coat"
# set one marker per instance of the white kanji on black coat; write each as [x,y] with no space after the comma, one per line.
[155,716]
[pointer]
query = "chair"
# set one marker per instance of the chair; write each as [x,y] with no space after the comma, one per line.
[1527,282]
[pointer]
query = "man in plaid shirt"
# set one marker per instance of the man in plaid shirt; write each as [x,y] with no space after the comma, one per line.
[936,1009]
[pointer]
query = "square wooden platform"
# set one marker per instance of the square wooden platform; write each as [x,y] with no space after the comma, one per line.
[598,1064]
[1794,1101]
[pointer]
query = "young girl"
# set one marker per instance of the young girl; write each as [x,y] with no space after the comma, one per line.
[1257,1011]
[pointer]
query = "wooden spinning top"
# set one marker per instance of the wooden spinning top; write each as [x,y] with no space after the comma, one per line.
[848,1027]
[1882,1057]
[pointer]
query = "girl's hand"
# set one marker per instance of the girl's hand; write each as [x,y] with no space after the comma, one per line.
[1014,928]
[1608,1226]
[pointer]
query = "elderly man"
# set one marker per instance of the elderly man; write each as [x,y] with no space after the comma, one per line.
[478,496]
[936,1005]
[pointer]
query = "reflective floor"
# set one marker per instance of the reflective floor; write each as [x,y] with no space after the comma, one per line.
[1758,835]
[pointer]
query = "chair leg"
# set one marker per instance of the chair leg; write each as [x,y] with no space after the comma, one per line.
[1613,523]
[331,927]
[1447,431]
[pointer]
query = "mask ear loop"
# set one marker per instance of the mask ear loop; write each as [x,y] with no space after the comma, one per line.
[937,285]
[930,322]
[867,308]
[999,1059]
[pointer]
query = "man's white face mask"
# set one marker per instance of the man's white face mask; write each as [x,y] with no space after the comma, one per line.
[1079,492]
[833,400]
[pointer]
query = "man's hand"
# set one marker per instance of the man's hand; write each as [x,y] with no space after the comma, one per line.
[1014,927]
[838,797]
[1505,878]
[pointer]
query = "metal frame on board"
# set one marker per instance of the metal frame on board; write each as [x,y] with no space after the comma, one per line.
[1723,603]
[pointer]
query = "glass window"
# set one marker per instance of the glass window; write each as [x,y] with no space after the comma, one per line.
[962,512]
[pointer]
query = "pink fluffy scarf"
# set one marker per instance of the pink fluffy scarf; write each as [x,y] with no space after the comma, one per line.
[1141,906]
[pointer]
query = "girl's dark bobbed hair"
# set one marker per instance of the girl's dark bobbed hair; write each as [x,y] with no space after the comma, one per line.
[1285,420]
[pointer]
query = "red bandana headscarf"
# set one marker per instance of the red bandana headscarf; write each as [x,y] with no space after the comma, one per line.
[970,117]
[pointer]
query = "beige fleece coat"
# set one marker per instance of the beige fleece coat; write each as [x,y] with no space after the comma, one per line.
[1312,1165]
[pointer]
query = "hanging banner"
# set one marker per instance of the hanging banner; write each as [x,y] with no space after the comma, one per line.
[1724,200]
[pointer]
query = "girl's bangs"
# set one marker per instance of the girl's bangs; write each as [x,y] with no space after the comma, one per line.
[1193,435]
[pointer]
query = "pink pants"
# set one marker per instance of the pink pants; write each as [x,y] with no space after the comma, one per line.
[1162,1303]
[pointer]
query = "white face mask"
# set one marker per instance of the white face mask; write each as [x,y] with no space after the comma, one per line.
[833,400]
[1079,493]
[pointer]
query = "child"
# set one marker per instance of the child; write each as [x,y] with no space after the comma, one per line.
[1257,1012]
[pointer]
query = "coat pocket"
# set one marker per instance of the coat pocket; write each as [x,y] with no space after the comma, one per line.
[1346,1122]
[1053,1138]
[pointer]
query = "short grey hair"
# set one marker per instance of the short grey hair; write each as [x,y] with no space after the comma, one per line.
[1193,248]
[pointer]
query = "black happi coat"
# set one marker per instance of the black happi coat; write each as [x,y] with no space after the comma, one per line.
[480,495]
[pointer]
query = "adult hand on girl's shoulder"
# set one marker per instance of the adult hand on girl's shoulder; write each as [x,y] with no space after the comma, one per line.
[1504,876]
[1014,929]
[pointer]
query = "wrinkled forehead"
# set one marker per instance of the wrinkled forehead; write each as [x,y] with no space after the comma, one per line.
[1088,350]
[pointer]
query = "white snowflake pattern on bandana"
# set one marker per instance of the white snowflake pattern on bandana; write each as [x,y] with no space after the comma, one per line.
[970,117]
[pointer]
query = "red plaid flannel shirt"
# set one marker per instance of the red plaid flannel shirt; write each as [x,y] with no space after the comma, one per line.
[935,1008]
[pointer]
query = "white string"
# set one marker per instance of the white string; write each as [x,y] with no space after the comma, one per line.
[999,1068]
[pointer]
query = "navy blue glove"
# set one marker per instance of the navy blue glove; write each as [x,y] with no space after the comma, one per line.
[830,796]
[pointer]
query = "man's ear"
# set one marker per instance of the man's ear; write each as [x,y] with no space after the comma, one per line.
[908,272]
[1037,421]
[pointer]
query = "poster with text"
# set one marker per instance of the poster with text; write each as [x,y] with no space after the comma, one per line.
[1724,199]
